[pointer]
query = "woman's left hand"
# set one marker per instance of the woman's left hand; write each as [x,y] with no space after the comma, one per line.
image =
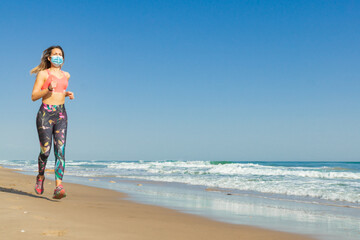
[70,95]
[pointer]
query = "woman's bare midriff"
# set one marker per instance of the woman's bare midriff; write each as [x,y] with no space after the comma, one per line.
[54,98]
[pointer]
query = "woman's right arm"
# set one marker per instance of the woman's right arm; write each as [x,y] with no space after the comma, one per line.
[37,92]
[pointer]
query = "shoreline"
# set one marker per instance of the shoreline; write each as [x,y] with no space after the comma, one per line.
[93,213]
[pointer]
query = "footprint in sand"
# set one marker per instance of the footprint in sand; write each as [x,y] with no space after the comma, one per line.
[54,233]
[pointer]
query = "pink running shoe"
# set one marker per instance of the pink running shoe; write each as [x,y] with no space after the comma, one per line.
[59,192]
[39,186]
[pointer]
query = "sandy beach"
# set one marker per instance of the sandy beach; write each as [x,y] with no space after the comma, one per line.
[95,213]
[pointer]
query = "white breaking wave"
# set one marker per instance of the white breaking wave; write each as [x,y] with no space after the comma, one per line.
[201,167]
[321,182]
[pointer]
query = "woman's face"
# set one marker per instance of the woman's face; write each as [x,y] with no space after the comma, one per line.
[55,52]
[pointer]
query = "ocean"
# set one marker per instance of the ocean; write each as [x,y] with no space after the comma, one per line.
[321,199]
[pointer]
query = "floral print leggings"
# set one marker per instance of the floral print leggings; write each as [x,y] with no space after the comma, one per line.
[51,121]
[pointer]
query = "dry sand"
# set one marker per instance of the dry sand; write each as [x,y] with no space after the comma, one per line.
[95,213]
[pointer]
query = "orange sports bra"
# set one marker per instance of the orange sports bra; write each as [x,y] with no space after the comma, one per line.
[61,85]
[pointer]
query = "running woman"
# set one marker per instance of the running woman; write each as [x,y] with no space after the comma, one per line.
[51,121]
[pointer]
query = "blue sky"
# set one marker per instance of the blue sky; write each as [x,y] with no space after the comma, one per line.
[189,80]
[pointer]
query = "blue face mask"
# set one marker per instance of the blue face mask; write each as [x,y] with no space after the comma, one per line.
[57,60]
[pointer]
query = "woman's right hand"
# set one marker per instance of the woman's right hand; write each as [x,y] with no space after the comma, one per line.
[52,85]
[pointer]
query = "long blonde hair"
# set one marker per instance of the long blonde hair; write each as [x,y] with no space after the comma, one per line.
[45,63]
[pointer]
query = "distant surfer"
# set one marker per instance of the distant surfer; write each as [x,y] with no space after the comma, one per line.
[51,121]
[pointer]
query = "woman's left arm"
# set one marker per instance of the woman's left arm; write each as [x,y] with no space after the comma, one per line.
[68,93]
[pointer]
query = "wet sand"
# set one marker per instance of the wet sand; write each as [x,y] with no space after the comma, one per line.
[95,213]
